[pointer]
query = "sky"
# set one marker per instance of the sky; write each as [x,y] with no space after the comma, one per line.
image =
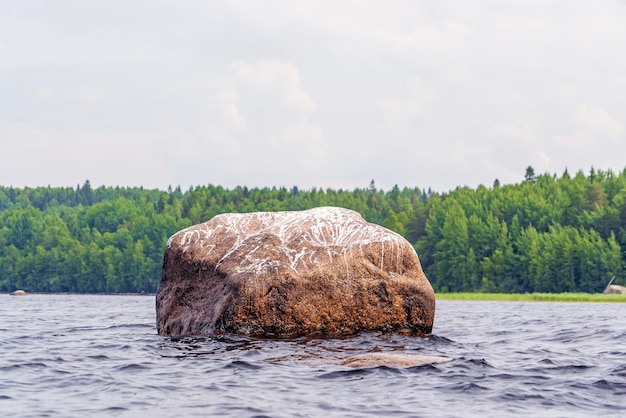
[329,94]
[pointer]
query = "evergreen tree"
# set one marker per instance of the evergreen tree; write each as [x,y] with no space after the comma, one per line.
[545,234]
[529,176]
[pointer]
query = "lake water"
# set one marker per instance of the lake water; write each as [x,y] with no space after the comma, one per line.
[92,355]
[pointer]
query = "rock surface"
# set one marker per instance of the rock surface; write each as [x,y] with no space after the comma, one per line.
[284,274]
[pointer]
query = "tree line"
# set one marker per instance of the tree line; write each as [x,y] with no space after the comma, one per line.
[547,233]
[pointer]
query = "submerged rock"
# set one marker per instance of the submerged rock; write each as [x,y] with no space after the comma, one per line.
[18,293]
[391,360]
[269,274]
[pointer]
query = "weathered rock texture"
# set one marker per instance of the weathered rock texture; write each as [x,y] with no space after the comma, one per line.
[323,270]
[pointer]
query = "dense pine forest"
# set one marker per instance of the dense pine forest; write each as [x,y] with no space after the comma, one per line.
[544,234]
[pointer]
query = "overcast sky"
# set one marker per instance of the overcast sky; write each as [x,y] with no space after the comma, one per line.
[310,93]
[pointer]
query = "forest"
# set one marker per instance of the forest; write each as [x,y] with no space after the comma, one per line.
[547,233]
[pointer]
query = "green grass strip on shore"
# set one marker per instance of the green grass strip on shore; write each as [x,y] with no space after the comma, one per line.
[537,297]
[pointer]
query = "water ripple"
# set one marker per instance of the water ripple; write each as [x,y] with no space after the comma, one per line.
[77,355]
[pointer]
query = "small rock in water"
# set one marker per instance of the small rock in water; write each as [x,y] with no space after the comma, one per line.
[615,289]
[18,293]
[391,360]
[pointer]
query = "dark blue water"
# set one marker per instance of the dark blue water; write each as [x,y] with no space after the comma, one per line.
[86,355]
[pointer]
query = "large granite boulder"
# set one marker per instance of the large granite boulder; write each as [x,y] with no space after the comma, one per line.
[271,274]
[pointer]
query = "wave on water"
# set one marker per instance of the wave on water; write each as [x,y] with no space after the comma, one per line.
[66,355]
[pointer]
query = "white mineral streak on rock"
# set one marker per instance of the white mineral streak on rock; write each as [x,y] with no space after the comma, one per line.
[336,232]
[382,255]
[297,257]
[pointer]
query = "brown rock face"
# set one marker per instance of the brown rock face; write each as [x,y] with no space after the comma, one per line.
[272,274]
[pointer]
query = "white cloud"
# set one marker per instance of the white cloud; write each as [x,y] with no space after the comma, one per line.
[419,98]
[278,108]
[81,95]
[598,120]
[440,37]
[227,104]
[281,75]
[591,139]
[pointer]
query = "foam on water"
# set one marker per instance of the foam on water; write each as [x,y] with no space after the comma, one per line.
[86,355]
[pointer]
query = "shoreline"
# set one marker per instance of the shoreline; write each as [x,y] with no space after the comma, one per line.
[534,297]
[85,294]
[503,297]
